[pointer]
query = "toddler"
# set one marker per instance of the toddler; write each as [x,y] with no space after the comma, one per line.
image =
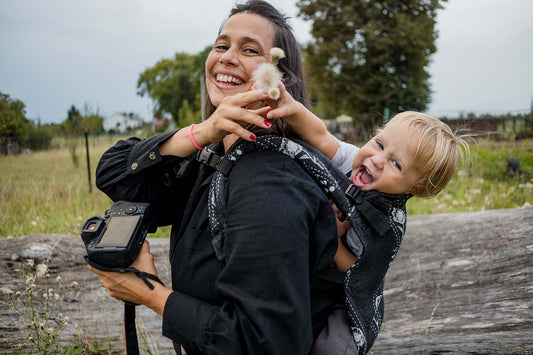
[414,154]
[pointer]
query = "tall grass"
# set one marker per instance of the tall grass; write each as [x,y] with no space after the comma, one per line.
[484,184]
[44,192]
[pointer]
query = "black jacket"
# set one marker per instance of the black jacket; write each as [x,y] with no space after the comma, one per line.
[280,230]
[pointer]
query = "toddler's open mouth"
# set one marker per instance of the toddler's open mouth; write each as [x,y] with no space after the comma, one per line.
[362,177]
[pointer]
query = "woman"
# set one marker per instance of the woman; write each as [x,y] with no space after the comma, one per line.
[280,229]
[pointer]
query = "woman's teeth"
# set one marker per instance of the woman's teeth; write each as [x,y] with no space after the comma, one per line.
[228,79]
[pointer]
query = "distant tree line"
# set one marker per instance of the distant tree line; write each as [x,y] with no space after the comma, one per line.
[16,128]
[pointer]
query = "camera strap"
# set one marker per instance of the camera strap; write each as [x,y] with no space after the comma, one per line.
[130,330]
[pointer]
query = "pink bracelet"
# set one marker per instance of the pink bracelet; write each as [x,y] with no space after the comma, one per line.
[192,138]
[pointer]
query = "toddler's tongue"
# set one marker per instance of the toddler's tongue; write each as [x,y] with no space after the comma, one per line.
[362,178]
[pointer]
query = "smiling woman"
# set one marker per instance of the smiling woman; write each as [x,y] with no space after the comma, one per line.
[257,296]
[236,55]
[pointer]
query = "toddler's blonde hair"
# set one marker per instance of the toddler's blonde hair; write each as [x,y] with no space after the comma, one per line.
[438,152]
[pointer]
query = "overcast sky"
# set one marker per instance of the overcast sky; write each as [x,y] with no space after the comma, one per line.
[58,53]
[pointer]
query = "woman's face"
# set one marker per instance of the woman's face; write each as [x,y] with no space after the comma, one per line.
[243,44]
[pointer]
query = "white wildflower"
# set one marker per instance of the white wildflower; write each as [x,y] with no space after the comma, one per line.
[30,263]
[42,269]
[59,279]
[30,279]
[6,291]
[273,93]
[277,54]
[266,77]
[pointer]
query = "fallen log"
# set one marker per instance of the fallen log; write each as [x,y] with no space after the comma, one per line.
[461,284]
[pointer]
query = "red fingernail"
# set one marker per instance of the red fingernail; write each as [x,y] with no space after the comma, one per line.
[267,123]
[253,137]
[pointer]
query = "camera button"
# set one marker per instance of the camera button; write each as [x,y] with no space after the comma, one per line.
[131,209]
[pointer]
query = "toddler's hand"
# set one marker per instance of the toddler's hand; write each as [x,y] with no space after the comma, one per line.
[285,107]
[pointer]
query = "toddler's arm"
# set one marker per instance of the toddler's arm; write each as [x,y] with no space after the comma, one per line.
[305,123]
[344,258]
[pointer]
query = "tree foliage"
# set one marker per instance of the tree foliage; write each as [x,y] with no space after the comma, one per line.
[13,121]
[368,55]
[173,84]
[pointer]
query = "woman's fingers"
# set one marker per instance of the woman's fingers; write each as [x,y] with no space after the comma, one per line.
[248,98]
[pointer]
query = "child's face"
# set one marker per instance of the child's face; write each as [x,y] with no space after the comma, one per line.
[386,163]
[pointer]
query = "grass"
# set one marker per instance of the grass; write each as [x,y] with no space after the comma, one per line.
[484,185]
[44,192]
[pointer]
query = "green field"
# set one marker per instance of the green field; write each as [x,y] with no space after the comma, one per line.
[44,192]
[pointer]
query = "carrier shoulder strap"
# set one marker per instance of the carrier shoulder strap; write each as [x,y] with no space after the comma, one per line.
[309,162]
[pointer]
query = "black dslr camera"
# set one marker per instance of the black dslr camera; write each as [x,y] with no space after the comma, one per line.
[115,240]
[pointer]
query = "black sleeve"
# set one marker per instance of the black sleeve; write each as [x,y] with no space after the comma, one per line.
[134,170]
[272,210]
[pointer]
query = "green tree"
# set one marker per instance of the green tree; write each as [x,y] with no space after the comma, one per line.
[173,83]
[368,55]
[73,129]
[13,121]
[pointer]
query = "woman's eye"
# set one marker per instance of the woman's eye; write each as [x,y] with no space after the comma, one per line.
[220,47]
[251,50]
[379,145]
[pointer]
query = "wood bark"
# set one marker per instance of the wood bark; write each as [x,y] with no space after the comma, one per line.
[461,283]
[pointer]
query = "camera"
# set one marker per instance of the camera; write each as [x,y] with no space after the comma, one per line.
[115,240]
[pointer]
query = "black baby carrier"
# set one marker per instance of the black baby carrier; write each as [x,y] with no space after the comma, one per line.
[379,221]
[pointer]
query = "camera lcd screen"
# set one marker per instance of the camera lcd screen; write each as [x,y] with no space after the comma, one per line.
[119,231]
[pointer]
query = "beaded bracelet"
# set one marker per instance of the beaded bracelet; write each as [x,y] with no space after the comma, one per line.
[192,138]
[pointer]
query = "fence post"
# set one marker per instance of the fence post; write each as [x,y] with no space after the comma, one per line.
[88,161]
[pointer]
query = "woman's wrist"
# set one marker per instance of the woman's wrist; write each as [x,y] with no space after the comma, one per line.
[197,135]
[181,145]
[157,298]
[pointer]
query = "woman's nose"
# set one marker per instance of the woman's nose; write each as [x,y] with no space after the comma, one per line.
[229,57]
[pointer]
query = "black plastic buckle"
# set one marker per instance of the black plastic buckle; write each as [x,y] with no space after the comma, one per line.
[354,193]
[208,157]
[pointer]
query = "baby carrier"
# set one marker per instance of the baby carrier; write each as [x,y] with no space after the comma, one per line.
[379,221]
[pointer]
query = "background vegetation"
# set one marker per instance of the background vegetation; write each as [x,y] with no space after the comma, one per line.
[45,192]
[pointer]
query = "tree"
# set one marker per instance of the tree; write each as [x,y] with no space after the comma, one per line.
[171,83]
[368,55]
[13,121]
[73,128]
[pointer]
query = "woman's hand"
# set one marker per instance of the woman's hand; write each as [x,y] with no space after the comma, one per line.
[128,287]
[232,116]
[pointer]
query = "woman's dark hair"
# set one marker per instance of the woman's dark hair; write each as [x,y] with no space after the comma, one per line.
[291,66]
